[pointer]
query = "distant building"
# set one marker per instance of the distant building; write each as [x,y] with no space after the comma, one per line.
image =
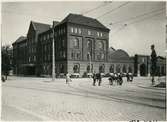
[142,65]
[81,48]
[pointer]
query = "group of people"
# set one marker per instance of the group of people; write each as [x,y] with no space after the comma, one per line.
[117,77]
[97,78]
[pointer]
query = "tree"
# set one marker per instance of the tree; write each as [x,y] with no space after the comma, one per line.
[6,66]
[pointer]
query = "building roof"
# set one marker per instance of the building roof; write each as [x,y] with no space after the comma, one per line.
[40,27]
[83,20]
[20,39]
[119,54]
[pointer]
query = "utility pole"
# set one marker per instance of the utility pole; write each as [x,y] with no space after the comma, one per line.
[53,56]
[90,62]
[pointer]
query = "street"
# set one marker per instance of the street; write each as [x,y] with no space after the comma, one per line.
[30,98]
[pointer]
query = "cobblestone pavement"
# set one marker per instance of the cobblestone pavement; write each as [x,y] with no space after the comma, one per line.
[41,99]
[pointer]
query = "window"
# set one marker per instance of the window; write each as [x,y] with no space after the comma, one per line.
[72,55]
[34,58]
[88,56]
[76,43]
[76,30]
[76,68]
[98,34]
[88,68]
[100,45]
[63,43]
[47,36]
[61,68]
[100,56]
[89,32]
[124,69]
[72,30]
[44,37]
[111,68]
[78,56]
[102,68]
[101,34]
[118,69]
[64,54]
[89,45]
[79,30]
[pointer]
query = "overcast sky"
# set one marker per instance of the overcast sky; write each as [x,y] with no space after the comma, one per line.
[134,26]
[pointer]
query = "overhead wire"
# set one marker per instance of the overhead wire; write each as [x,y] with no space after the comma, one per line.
[135,17]
[108,12]
[98,7]
[134,22]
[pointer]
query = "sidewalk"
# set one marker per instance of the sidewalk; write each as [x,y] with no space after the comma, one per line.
[145,82]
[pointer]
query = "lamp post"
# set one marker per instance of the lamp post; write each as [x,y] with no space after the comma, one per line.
[53,56]
[90,62]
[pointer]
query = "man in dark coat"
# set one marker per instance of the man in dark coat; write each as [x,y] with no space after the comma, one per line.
[94,79]
[153,63]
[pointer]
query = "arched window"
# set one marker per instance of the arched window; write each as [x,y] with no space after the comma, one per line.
[130,69]
[118,68]
[111,68]
[76,68]
[88,68]
[102,68]
[124,69]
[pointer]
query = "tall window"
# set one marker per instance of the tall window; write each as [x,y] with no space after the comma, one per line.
[76,43]
[102,68]
[61,68]
[118,69]
[79,30]
[76,30]
[98,34]
[130,69]
[89,32]
[89,44]
[76,68]
[112,68]
[72,30]
[89,69]
[124,69]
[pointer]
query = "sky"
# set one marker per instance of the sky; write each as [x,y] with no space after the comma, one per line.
[134,26]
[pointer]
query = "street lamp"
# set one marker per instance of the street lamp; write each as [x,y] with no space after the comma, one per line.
[89,61]
[53,55]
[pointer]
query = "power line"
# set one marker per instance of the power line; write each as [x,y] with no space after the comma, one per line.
[100,6]
[138,21]
[124,4]
[148,17]
[135,17]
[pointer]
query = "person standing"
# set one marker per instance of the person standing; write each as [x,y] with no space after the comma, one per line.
[100,78]
[153,63]
[94,79]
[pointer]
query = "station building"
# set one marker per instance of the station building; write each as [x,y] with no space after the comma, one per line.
[81,48]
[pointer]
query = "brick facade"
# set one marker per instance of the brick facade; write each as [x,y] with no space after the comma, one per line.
[81,47]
